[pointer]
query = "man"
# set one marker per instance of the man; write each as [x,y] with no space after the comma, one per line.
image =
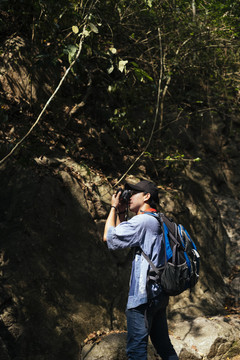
[146,308]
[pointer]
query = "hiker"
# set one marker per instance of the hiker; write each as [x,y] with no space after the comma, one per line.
[146,308]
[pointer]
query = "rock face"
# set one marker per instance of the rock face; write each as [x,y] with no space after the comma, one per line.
[230,211]
[111,347]
[19,79]
[57,277]
[210,338]
[59,281]
[215,338]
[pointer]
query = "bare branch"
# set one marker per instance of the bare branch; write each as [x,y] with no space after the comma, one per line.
[83,34]
[155,118]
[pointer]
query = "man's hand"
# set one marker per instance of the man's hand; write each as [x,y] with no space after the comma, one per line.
[116,199]
[116,202]
[117,207]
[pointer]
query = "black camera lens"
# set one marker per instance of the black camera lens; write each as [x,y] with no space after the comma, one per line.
[125,194]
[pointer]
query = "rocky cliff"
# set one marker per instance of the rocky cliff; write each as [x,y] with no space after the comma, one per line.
[58,280]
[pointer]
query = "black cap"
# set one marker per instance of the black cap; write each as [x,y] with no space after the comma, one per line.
[145,186]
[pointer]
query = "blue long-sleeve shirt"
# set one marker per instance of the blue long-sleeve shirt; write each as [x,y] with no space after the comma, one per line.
[142,231]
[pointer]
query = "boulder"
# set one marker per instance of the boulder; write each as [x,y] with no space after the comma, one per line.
[202,338]
[210,338]
[111,347]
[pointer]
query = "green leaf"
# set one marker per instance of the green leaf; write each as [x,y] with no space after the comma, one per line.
[71,51]
[147,154]
[75,29]
[149,3]
[122,65]
[142,73]
[113,50]
[134,64]
[110,70]
[86,33]
[93,28]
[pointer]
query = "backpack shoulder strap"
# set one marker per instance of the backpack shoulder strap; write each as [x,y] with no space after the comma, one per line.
[157,216]
[171,225]
[150,262]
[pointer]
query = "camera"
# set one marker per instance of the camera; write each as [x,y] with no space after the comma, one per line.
[125,194]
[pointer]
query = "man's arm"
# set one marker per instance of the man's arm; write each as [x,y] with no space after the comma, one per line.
[113,218]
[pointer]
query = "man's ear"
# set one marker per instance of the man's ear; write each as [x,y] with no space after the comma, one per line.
[147,197]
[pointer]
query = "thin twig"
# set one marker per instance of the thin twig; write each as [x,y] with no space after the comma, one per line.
[50,99]
[56,90]
[180,159]
[157,105]
[155,118]
[166,88]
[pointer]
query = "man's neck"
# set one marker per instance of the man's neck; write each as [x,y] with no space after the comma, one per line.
[144,207]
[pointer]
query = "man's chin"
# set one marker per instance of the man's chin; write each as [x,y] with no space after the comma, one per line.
[132,209]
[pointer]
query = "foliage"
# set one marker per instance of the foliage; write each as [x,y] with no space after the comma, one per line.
[190,48]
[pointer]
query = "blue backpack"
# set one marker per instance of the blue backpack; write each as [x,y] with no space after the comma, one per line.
[181,269]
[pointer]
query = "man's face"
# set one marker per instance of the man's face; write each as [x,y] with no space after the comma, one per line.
[136,201]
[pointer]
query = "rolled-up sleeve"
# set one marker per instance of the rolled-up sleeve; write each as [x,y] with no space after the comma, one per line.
[126,234]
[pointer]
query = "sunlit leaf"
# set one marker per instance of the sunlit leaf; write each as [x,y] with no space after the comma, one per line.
[86,33]
[93,28]
[110,70]
[122,65]
[149,3]
[113,50]
[75,29]
[71,51]
[142,74]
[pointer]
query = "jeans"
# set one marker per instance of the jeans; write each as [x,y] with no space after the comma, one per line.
[157,328]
